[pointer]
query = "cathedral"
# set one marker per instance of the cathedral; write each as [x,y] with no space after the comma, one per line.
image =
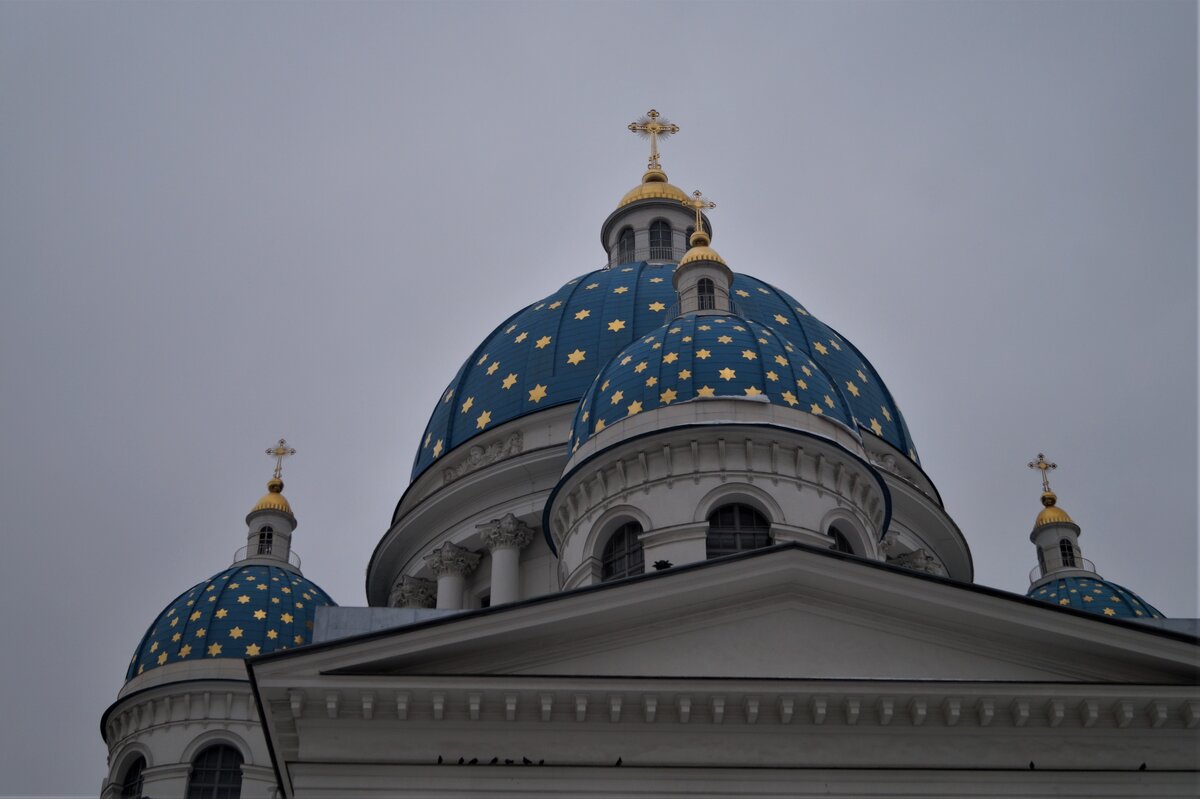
[666,533]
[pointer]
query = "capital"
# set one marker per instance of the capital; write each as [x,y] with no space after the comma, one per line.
[507,532]
[452,559]
[413,592]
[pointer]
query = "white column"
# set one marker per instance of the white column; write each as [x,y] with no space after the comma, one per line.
[506,537]
[451,564]
[413,592]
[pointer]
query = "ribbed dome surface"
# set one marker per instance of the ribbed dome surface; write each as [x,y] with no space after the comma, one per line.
[237,613]
[1095,595]
[549,353]
[707,356]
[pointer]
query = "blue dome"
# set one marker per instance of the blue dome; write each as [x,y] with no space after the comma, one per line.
[707,356]
[238,613]
[1095,595]
[549,353]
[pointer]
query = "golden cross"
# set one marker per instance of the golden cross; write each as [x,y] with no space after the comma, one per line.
[651,125]
[1044,467]
[280,451]
[699,203]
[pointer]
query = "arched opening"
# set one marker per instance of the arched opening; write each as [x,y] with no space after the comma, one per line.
[736,528]
[840,542]
[660,241]
[266,537]
[216,774]
[622,555]
[706,294]
[625,249]
[131,783]
[1066,551]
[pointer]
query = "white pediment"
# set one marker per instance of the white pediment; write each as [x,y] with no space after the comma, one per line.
[786,614]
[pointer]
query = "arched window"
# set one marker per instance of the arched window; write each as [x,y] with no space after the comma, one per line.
[660,240]
[625,250]
[840,542]
[1067,552]
[131,784]
[706,293]
[265,539]
[736,528]
[622,556]
[216,774]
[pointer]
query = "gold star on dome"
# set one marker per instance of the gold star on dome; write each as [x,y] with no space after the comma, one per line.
[428,438]
[727,373]
[491,370]
[1064,601]
[185,650]
[482,360]
[599,425]
[286,618]
[801,311]
[174,621]
[604,385]
[437,448]
[210,588]
[577,357]
[298,639]
[774,378]
[652,381]
[214,650]
[620,289]
[537,393]
[782,361]
[626,360]
[657,306]
[260,614]
[686,339]
[815,409]
[201,632]
[724,340]
[762,290]
[834,344]
[243,599]
[521,337]
[483,420]
[617,397]
[789,398]
[542,342]
[853,389]
[742,293]
[470,403]
[876,427]
[616,325]
[667,397]
[819,347]
[656,346]
[704,327]
[781,319]
[886,415]
[556,304]
[634,407]
[671,357]
[685,374]
[581,315]
[762,341]
[656,280]
[806,370]
[750,355]
[706,391]
[591,286]
[272,634]
[1087,599]
[509,381]
[175,637]
[234,585]
[703,355]
[829,400]
[154,646]
[753,391]
[1109,612]
[860,374]
[641,367]
[585,416]
[236,632]
[253,649]
[448,395]
[162,658]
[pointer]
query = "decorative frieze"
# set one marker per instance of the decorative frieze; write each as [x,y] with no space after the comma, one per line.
[479,456]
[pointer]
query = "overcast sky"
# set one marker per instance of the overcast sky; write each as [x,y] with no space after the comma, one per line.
[221,224]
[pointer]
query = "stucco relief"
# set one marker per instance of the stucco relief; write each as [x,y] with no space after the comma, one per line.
[918,559]
[505,532]
[479,456]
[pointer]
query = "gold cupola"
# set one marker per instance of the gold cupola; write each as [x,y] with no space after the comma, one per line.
[698,244]
[273,500]
[1051,513]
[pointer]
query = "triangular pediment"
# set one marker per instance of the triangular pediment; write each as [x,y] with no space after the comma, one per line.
[791,613]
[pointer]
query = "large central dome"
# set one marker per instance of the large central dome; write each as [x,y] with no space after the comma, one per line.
[548,354]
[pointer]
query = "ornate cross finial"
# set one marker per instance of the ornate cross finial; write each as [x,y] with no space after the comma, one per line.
[699,203]
[653,126]
[1042,465]
[279,452]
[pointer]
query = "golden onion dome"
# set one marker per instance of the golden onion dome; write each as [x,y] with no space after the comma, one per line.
[700,251]
[273,500]
[654,186]
[1051,514]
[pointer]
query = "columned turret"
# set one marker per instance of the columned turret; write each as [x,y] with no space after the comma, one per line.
[702,280]
[270,523]
[1056,536]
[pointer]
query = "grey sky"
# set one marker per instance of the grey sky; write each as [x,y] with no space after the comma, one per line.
[220,224]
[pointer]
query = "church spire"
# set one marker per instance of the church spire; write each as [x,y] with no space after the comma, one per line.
[271,522]
[653,126]
[1055,534]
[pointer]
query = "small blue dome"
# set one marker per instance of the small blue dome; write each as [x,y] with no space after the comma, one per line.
[549,353]
[1095,595]
[697,356]
[238,613]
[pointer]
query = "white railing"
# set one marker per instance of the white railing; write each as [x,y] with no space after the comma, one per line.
[245,553]
[1081,565]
